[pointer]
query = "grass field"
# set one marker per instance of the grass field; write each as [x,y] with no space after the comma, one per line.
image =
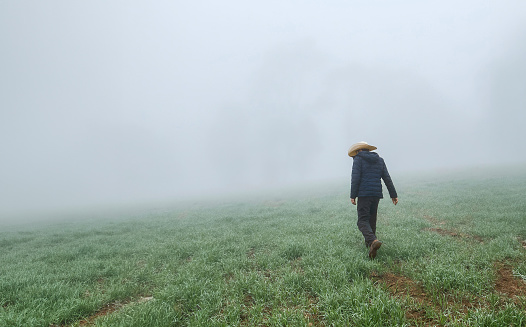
[454,254]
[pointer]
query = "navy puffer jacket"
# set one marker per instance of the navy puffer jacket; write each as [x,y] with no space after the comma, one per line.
[367,170]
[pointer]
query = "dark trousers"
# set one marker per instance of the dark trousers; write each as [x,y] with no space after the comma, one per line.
[367,212]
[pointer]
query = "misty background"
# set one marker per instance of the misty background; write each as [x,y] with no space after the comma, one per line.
[107,102]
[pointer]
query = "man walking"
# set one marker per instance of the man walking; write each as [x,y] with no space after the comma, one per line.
[367,171]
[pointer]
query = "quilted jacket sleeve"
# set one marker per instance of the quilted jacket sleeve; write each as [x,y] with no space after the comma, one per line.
[356,176]
[389,183]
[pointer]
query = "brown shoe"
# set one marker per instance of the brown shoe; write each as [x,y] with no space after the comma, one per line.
[374,247]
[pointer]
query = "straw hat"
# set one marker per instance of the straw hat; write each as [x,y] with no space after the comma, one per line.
[353,150]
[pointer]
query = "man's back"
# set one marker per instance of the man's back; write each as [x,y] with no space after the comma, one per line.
[368,170]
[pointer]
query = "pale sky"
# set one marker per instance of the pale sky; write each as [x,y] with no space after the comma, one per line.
[120,101]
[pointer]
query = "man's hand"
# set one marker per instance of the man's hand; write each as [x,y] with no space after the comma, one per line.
[395,200]
[353,201]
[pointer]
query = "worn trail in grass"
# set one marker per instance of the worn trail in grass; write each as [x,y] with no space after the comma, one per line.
[453,255]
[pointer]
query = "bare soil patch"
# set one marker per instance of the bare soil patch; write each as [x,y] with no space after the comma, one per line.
[446,232]
[248,300]
[296,265]
[509,288]
[404,287]
[110,308]
[434,220]
[451,233]
[401,286]
[312,315]
[508,284]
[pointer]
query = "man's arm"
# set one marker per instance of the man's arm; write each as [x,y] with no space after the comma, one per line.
[389,183]
[356,177]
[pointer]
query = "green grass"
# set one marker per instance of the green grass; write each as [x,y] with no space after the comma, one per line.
[282,260]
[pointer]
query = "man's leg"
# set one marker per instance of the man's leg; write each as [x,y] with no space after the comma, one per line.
[375,245]
[374,214]
[364,216]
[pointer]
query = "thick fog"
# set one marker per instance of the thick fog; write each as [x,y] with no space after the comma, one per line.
[117,102]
